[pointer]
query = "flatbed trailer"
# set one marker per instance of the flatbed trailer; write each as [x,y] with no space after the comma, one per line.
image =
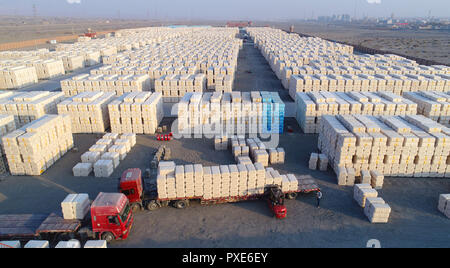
[143,193]
[307,187]
[37,226]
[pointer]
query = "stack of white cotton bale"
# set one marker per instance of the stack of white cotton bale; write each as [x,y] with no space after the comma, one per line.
[105,155]
[173,87]
[103,168]
[392,83]
[276,155]
[82,169]
[409,146]
[444,204]
[252,148]
[17,77]
[258,151]
[47,69]
[216,76]
[311,106]
[230,113]
[71,62]
[221,143]
[7,125]
[75,206]
[135,112]
[224,83]
[33,148]
[113,83]
[432,104]
[225,181]
[363,191]
[239,147]
[376,179]
[313,161]
[323,162]
[346,176]
[211,51]
[377,210]
[88,111]
[29,106]
[305,64]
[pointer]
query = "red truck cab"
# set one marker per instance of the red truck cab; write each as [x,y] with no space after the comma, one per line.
[131,186]
[111,216]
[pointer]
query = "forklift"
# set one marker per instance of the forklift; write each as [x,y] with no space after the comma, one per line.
[275,199]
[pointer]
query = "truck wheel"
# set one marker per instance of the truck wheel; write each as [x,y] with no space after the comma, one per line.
[109,237]
[152,205]
[181,204]
[135,207]
[291,196]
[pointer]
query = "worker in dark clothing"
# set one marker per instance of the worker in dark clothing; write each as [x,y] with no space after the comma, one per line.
[319,196]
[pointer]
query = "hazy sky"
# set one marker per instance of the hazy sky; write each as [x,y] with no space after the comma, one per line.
[226,9]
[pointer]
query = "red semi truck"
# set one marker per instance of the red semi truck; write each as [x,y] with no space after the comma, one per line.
[110,218]
[141,194]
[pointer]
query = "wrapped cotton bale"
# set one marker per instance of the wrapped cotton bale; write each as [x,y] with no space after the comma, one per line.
[161,186]
[36,147]
[10,244]
[67,207]
[366,178]
[285,183]
[281,155]
[114,156]
[293,182]
[131,137]
[244,160]
[124,142]
[221,143]
[361,192]
[101,148]
[323,162]
[107,142]
[198,180]
[313,161]
[377,179]
[377,211]
[111,136]
[372,200]
[261,156]
[81,206]
[167,167]
[273,156]
[88,111]
[342,176]
[90,157]
[37,244]
[96,244]
[75,206]
[82,169]
[73,243]
[103,168]
[121,149]
[444,204]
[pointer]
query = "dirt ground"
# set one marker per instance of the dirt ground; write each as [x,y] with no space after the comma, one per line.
[426,44]
[339,222]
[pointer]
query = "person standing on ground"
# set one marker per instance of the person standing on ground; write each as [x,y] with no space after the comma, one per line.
[319,196]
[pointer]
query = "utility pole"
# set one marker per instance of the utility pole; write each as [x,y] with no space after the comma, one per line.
[34,11]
